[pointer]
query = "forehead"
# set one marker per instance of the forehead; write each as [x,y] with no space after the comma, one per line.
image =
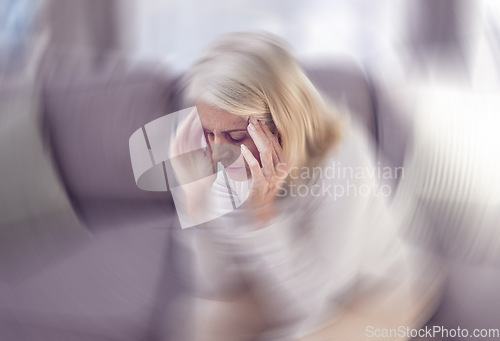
[215,119]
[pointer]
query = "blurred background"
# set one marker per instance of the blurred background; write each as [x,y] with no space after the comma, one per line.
[462,35]
[86,255]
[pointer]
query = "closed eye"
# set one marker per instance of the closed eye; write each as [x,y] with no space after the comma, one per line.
[238,136]
[231,136]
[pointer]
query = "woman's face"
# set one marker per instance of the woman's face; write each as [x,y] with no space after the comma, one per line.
[225,133]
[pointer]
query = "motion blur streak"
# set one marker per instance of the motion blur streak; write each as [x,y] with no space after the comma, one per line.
[87,255]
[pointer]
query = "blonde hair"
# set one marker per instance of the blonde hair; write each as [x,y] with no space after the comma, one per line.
[254,74]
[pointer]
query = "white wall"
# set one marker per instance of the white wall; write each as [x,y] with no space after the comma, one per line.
[177,31]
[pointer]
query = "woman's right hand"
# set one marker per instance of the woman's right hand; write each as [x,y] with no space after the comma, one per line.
[193,167]
[190,160]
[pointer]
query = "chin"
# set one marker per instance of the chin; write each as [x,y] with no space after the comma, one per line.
[238,173]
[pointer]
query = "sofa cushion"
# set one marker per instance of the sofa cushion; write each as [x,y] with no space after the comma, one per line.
[117,287]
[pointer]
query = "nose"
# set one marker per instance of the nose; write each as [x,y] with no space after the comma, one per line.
[222,152]
[218,139]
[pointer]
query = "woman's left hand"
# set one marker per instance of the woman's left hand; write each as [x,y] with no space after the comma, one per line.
[267,179]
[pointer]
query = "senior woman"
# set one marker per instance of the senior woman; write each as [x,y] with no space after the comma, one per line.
[306,227]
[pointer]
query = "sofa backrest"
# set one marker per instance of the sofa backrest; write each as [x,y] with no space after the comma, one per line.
[343,82]
[91,107]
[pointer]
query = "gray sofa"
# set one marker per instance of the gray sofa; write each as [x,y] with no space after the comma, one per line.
[105,268]
[101,271]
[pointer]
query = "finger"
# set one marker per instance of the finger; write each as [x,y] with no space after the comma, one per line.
[194,135]
[281,165]
[188,133]
[264,146]
[191,117]
[275,142]
[196,129]
[252,162]
[187,124]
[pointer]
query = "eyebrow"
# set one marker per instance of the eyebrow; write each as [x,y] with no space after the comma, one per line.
[227,131]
